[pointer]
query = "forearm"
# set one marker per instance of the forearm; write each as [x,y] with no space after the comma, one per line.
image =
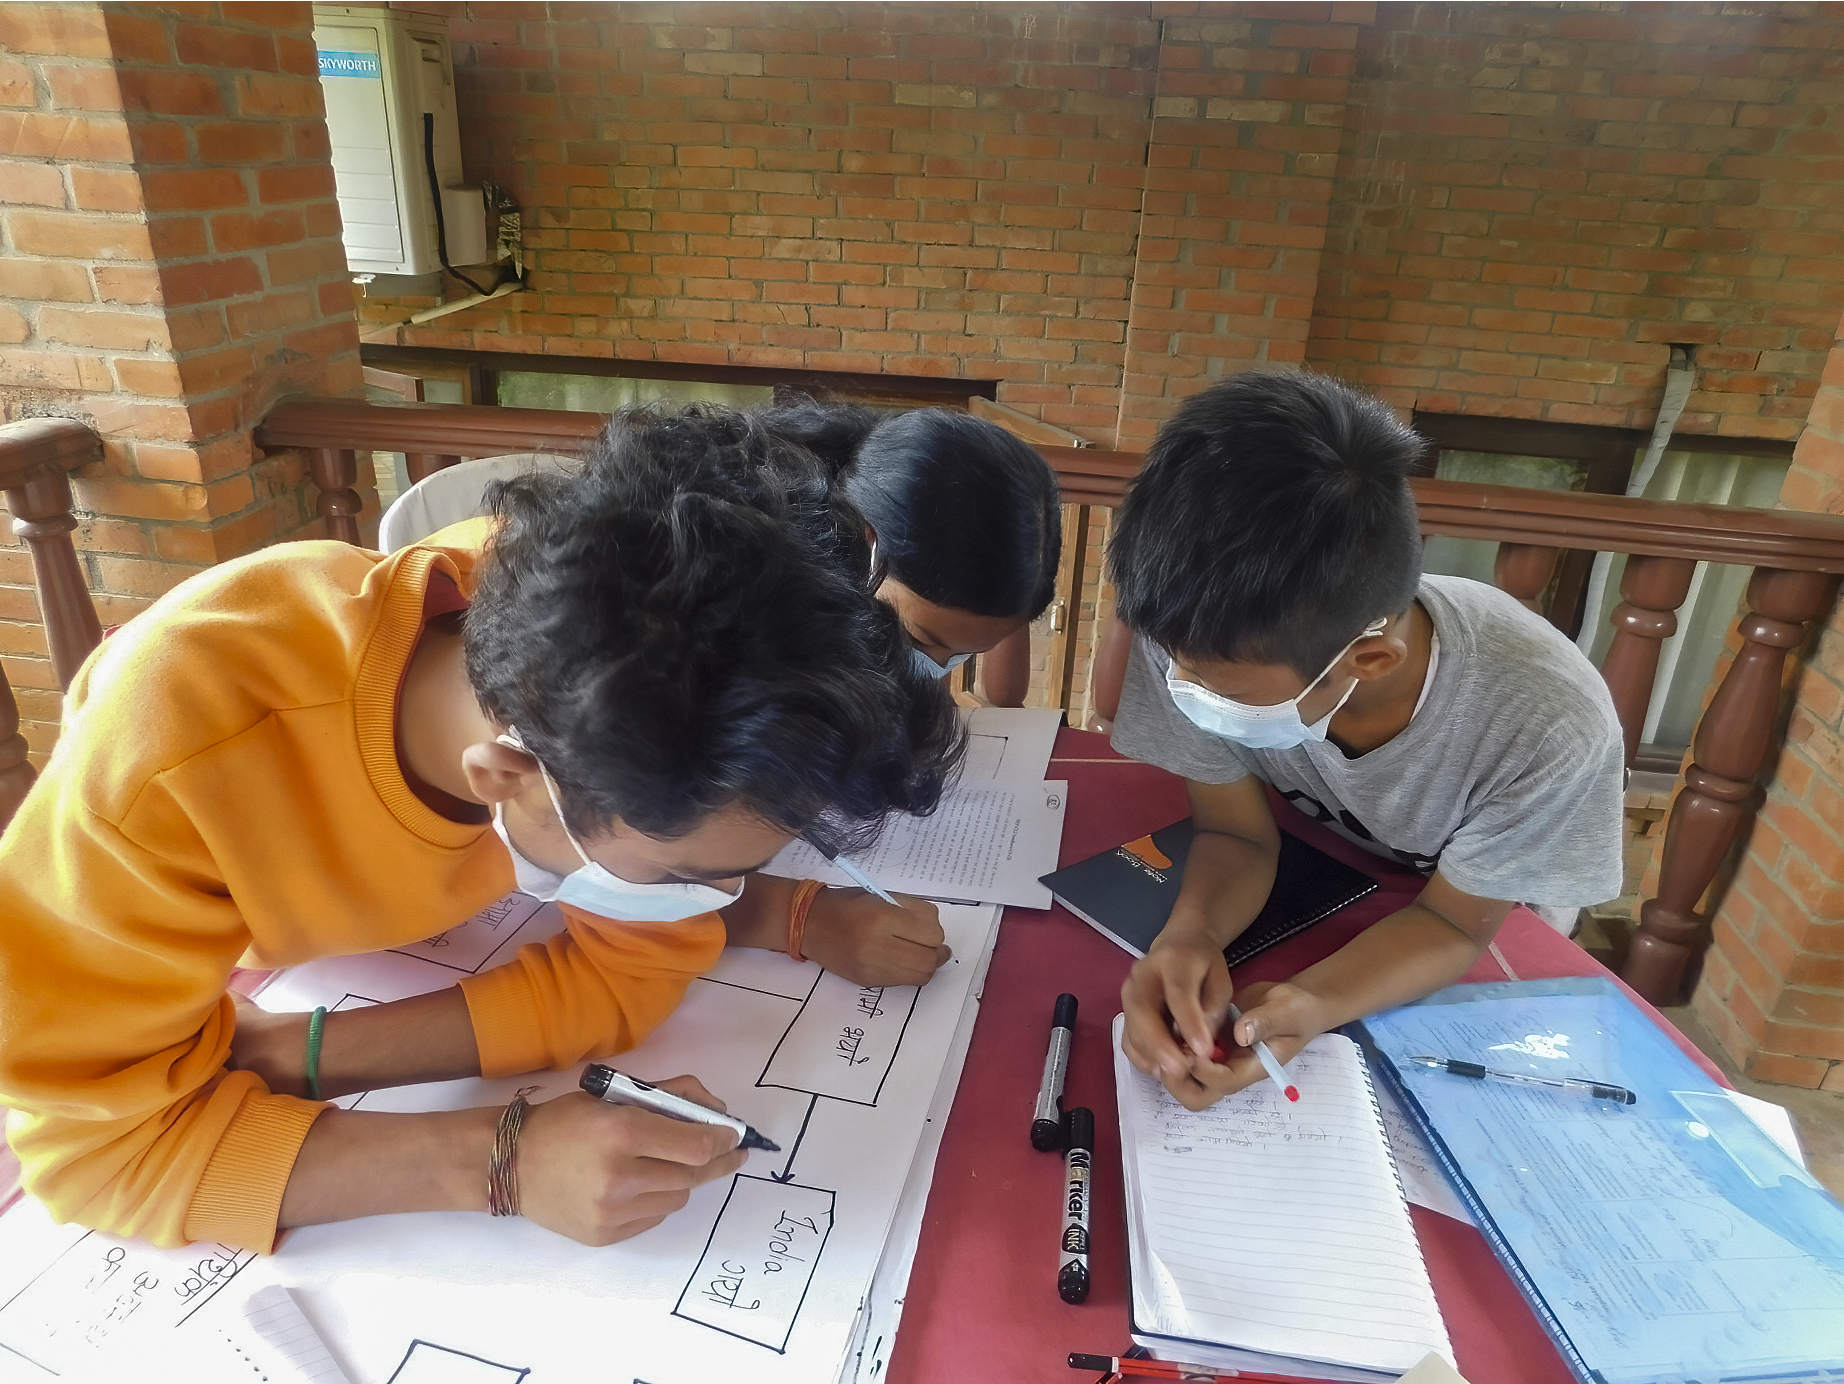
[404,1043]
[1408,955]
[1227,879]
[760,917]
[355,1163]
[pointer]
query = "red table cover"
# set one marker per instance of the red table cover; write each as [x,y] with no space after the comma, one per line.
[982,1303]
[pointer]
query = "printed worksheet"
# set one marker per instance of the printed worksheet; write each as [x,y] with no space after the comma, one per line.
[986,843]
[763,1276]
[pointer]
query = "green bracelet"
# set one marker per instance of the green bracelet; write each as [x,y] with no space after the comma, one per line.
[316,1030]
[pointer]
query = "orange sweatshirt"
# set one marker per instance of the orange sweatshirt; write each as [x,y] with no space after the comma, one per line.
[226,790]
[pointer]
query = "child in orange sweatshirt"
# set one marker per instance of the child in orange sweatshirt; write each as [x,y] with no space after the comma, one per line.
[626,691]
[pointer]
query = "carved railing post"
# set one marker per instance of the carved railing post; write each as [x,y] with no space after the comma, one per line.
[1524,570]
[336,472]
[1653,589]
[16,772]
[1732,740]
[41,508]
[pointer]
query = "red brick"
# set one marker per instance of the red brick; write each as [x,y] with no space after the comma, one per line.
[216,46]
[31,184]
[58,30]
[240,143]
[69,236]
[169,92]
[195,189]
[106,189]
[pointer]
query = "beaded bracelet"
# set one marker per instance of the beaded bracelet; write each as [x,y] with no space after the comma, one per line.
[503,1162]
[316,1030]
[804,894]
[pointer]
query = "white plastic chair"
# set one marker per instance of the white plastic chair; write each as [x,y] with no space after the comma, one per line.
[455,493]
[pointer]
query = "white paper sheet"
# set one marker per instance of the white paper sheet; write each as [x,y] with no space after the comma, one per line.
[987,842]
[763,1276]
[1009,742]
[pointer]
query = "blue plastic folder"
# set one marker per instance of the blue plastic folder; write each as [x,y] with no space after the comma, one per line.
[1666,1242]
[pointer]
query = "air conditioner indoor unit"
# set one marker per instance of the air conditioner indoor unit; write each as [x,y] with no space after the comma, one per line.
[390,98]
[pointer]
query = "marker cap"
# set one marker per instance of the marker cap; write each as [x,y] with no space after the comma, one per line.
[1065,1012]
[1079,1128]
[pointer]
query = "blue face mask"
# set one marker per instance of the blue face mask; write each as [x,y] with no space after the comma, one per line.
[595,889]
[1276,727]
[928,668]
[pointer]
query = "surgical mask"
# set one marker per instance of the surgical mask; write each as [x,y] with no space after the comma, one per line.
[1276,727]
[595,889]
[928,668]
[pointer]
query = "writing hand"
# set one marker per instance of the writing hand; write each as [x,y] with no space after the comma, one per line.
[1175,998]
[1284,1016]
[857,935]
[599,1173]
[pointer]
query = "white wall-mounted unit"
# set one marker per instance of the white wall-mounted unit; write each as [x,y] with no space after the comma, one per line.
[382,71]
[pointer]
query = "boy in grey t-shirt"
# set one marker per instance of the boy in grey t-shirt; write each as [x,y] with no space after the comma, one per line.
[1268,558]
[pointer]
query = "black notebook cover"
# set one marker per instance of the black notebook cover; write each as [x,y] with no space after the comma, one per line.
[1127,893]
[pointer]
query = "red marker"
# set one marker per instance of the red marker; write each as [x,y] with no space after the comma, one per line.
[1276,1073]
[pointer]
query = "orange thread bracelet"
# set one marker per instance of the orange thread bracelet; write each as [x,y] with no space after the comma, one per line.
[804,894]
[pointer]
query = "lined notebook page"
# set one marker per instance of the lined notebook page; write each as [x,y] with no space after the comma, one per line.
[275,1344]
[1265,1225]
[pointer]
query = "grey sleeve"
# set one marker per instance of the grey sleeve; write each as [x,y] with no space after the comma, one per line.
[1149,727]
[1554,833]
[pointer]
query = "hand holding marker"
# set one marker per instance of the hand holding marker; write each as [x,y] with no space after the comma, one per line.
[617,1088]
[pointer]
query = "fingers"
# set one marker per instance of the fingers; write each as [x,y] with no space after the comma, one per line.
[916,920]
[644,1134]
[693,1090]
[1146,1038]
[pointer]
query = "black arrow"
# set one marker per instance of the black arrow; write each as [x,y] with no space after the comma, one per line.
[787,1169]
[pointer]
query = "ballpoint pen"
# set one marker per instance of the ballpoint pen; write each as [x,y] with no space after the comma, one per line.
[1600,1090]
[852,872]
[1276,1073]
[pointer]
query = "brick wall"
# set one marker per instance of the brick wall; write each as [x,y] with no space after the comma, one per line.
[1773,980]
[1534,200]
[1506,209]
[169,266]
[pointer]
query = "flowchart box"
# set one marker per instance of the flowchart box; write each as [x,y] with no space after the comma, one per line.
[842,1041]
[758,1264]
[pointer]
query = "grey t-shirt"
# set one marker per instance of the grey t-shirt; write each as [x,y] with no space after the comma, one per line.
[1509,778]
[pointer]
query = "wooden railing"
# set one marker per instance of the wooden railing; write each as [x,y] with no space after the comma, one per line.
[36,459]
[1796,558]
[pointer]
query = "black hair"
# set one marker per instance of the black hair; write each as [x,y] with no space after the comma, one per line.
[967,515]
[1271,523]
[659,627]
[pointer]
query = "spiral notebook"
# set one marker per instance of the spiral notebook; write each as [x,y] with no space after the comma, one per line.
[1126,894]
[1270,1236]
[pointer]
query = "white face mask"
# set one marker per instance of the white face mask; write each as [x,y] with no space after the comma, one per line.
[1276,727]
[928,668]
[597,890]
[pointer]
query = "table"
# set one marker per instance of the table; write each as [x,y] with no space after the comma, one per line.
[982,1306]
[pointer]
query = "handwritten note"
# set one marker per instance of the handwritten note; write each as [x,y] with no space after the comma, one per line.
[1275,1227]
[102,1294]
[842,1041]
[760,1260]
[469,945]
[1422,1179]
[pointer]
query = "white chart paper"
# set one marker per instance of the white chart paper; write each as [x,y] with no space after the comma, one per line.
[763,1276]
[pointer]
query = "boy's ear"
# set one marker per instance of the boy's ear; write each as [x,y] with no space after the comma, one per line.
[497,773]
[1380,655]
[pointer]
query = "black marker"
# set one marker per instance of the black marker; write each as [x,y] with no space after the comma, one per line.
[1072,1272]
[1047,1120]
[618,1088]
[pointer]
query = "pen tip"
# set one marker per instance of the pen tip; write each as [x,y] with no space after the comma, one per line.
[1293,1093]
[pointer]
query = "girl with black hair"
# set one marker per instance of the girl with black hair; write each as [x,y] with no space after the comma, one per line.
[963,519]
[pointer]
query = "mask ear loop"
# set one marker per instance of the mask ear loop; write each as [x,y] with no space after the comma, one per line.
[512,741]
